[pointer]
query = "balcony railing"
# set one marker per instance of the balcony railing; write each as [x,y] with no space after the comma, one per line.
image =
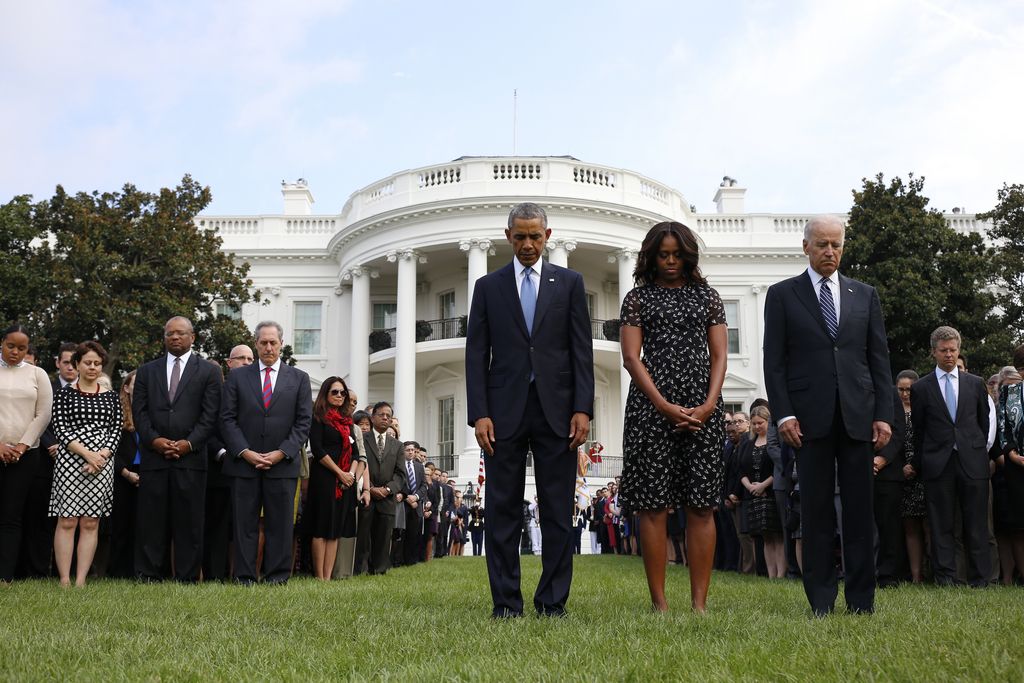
[597,329]
[426,330]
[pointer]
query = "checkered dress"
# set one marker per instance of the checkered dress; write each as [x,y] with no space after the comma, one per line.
[95,421]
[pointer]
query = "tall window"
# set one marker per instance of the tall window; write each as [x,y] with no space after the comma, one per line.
[591,304]
[226,310]
[385,316]
[308,315]
[447,305]
[446,433]
[732,325]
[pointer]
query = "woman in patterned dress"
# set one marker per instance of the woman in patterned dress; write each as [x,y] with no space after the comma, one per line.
[674,430]
[912,508]
[87,424]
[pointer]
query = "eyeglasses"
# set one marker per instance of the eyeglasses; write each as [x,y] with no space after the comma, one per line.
[248,358]
[904,390]
[337,392]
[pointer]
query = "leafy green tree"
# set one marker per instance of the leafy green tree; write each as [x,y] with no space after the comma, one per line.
[1007,233]
[927,274]
[25,265]
[124,262]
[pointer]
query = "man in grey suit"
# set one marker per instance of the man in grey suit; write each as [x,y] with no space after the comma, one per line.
[387,477]
[826,366]
[954,427]
[266,411]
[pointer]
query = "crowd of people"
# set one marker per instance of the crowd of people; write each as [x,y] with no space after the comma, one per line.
[182,474]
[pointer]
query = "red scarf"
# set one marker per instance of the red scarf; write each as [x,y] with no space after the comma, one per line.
[343,425]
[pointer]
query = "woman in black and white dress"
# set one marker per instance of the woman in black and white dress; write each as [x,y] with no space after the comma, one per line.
[87,424]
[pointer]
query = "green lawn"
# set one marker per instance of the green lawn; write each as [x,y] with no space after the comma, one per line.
[431,623]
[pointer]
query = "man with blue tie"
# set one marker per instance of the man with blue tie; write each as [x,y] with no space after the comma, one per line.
[530,387]
[826,367]
[954,428]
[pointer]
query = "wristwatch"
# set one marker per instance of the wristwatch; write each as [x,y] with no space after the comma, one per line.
[388,489]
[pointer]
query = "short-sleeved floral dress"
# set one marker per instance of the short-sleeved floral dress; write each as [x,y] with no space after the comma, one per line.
[663,468]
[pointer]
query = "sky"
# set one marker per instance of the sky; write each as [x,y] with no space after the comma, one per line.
[799,101]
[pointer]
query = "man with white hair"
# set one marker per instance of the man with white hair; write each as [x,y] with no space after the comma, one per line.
[826,366]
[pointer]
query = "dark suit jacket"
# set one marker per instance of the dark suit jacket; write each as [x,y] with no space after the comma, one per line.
[283,426]
[894,450]
[192,415]
[935,434]
[805,370]
[500,352]
[421,485]
[386,469]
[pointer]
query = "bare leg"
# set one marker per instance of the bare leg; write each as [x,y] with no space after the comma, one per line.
[914,535]
[700,548]
[330,555]
[316,547]
[88,535]
[653,535]
[800,554]
[64,547]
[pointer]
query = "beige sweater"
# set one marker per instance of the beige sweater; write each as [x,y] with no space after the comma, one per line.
[26,399]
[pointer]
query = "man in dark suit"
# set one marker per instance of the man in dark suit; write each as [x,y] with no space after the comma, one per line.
[444,515]
[175,406]
[386,465]
[530,386]
[413,495]
[266,411]
[893,566]
[953,430]
[826,366]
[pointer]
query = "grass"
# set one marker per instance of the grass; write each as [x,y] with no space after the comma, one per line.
[431,622]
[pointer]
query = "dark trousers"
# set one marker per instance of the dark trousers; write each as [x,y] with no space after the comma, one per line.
[123,522]
[892,563]
[15,481]
[441,542]
[373,539]
[782,503]
[37,527]
[277,499]
[477,538]
[942,494]
[216,533]
[555,467]
[727,545]
[819,461]
[175,501]
[413,536]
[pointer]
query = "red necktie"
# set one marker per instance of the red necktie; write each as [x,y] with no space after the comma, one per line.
[268,389]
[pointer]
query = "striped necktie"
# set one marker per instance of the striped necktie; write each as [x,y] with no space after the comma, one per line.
[268,389]
[828,309]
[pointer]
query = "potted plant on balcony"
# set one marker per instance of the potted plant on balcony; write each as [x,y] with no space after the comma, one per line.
[463,321]
[423,330]
[379,340]
[611,329]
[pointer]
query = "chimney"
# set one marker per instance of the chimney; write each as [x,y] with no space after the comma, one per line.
[298,200]
[729,197]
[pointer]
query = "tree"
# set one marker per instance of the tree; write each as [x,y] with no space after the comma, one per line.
[25,266]
[121,264]
[1007,233]
[927,274]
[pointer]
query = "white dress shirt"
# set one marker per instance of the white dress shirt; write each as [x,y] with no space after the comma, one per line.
[535,276]
[181,370]
[940,375]
[833,286]
[275,371]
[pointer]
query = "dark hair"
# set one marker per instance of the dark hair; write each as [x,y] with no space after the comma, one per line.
[410,443]
[12,329]
[321,406]
[381,404]
[87,346]
[1018,357]
[908,374]
[759,402]
[65,347]
[647,260]
[359,416]
[430,464]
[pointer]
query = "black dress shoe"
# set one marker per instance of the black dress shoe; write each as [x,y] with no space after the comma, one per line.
[820,613]
[505,613]
[557,612]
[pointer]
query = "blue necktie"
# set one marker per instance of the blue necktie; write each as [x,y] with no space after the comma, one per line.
[950,397]
[528,299]
[828,309]
[412,475]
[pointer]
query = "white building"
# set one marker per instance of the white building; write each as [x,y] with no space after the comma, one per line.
[400,260]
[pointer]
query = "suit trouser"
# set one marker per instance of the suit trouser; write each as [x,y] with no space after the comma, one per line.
[413,536]
[818,461]
[175,502]
[443,535]
[15,480]
[555,467]
[216,533]
[37,526]
[727,544]
[373,544]
[892,563]
[477,538]
[941,497]
[277,499]
[123,521]
[748,550]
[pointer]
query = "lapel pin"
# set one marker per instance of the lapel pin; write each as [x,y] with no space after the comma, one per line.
[850,291]
[551,279]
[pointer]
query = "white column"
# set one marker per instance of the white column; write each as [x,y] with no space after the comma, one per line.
[405,340]
[756,344]
[626,259]
[359,330]
[476,251]
[559,250]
